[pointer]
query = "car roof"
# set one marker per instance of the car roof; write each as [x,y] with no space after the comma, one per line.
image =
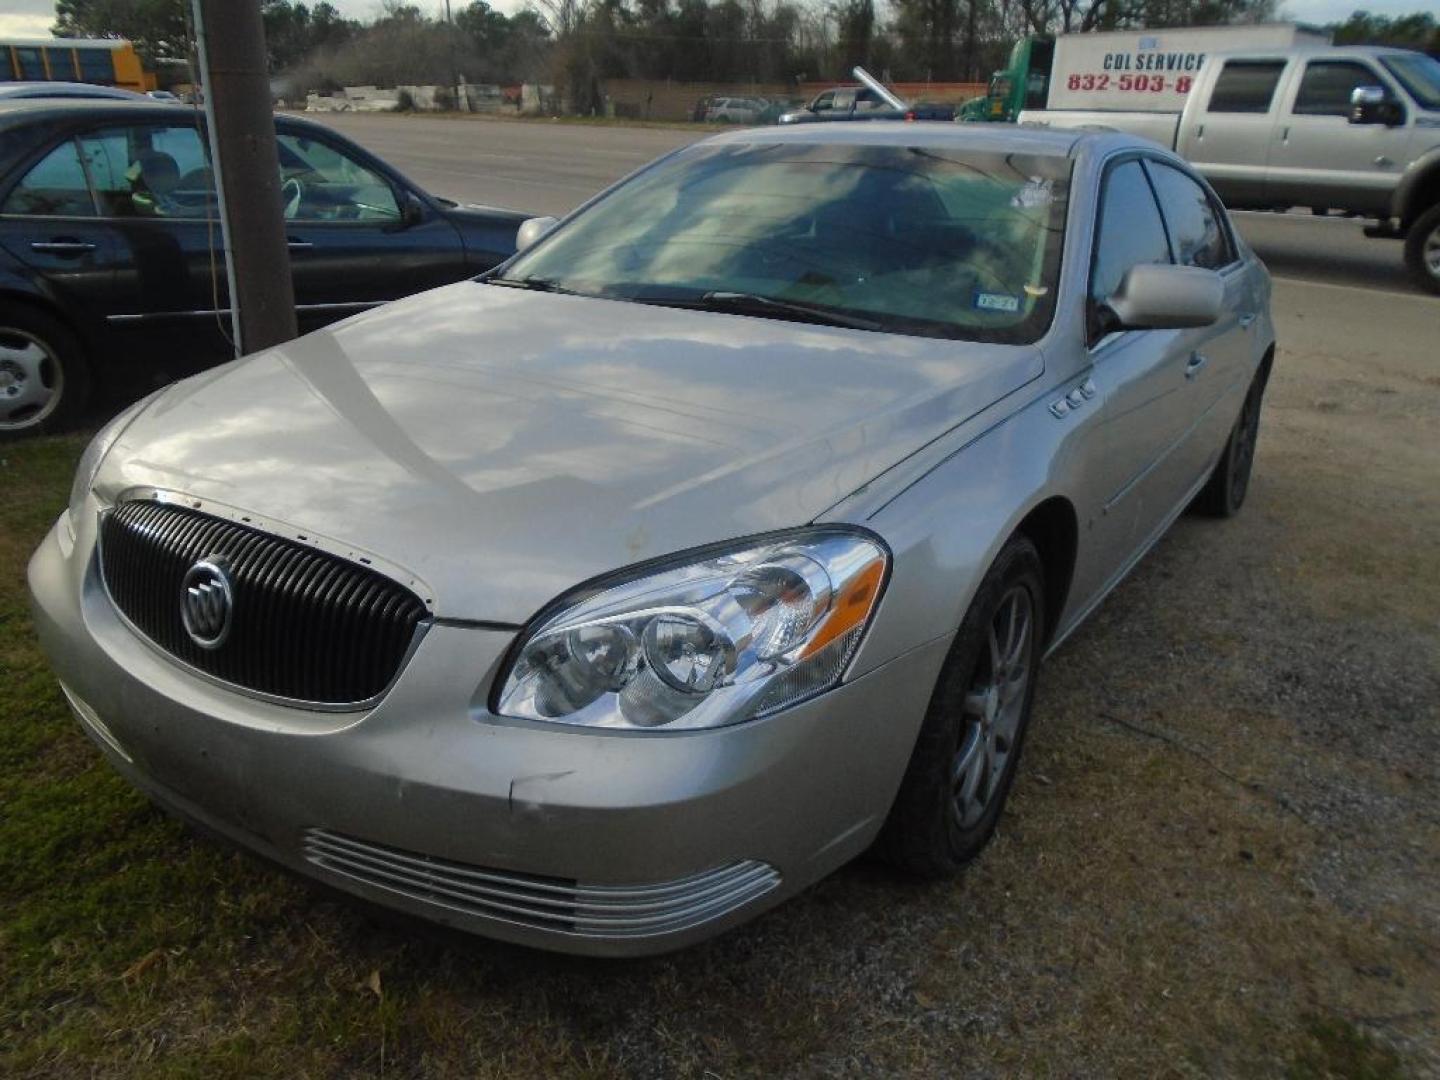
[985,138]
[1307,52]
[17,112]
[24,112]
[70,106]
[60,89]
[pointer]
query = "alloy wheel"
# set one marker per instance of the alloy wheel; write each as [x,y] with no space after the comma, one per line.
[1430,253]
[32,381]
[994,707]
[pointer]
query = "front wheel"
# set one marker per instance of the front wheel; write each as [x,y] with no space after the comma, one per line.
[969,745]
[1422,250]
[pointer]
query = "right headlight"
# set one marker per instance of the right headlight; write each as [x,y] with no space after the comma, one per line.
[94,455]
[706,642]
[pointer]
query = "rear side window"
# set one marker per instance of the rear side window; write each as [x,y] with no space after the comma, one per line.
[1326,88]
[149,172]
[1131,232]
[55,187]
[1246,86]
[1196,229]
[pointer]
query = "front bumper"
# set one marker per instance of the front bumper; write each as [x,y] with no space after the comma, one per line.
[607,843]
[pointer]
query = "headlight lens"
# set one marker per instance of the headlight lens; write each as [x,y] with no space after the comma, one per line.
[719,640]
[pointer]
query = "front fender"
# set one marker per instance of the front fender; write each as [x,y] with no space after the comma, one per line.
[1419,186]
[946,527]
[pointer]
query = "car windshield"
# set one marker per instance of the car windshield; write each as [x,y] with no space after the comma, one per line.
[1419,73]
[914,240]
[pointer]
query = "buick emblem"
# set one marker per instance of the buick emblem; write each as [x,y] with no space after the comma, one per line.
[207,602]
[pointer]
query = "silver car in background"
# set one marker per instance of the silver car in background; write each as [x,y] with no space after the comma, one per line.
[713,540]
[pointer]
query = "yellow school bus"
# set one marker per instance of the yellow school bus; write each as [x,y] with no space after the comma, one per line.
[106,61]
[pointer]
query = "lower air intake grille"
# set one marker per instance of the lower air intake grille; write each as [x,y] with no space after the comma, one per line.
[304,625]
[557,904]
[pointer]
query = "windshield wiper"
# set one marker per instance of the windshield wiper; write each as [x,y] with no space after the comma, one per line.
[756,304]
[534,284]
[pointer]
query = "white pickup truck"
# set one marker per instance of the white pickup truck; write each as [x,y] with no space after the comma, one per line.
[1353,129]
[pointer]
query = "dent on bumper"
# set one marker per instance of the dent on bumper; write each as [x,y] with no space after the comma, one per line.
[602,842]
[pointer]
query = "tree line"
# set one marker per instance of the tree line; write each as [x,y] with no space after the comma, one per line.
[577,44]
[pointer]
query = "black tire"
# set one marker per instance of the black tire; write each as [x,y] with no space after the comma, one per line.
[41,395]
[931,832]
[1224,493]
[1422,250]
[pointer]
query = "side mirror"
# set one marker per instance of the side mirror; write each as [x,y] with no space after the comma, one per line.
[532,230]
[1164,297]
[412,210]
[1371,105]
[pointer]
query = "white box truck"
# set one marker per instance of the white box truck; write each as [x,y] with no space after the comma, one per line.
[1123,71]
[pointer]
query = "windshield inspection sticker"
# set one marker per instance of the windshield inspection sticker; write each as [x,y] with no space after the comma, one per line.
[1035,193]
[990,301]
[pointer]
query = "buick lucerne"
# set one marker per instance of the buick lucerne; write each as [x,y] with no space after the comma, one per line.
[714,539]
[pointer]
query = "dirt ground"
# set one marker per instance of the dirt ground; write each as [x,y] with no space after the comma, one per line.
[1221,858]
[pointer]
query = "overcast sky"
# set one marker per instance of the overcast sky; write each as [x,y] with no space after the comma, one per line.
[32,18]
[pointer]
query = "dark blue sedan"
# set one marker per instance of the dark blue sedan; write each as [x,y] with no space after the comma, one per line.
[112,274]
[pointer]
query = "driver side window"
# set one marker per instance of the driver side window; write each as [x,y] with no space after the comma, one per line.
[1326,88]
[319,183]
[1130,233]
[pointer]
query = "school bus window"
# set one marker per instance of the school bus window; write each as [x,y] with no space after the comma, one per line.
[96,65]
[31,63]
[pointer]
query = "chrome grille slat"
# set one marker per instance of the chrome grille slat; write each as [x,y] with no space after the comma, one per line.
[597,900]
[609,911]
[308,627]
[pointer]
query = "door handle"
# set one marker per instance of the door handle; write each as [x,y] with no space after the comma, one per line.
[62,247]
[1195,363]
[299,245]
[1246,320]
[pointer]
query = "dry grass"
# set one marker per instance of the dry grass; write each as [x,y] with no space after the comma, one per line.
[1222,857]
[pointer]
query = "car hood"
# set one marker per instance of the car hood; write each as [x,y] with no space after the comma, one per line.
[481,214]
[504,446]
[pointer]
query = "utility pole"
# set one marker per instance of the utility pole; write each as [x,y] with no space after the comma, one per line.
[457,81]
[230,39]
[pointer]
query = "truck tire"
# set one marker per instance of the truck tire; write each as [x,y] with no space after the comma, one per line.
[1422,250]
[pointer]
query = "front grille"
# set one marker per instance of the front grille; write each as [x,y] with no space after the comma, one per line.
[305,625]
[545,903]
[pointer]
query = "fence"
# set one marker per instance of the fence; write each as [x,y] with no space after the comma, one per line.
[660,99]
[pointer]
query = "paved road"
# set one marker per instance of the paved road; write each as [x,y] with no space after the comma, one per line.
[548,168]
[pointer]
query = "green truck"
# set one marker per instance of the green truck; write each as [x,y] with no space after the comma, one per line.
[1024,79]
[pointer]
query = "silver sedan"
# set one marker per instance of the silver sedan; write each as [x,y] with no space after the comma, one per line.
[713,540]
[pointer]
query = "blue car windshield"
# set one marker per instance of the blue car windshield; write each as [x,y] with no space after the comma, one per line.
[914,240]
